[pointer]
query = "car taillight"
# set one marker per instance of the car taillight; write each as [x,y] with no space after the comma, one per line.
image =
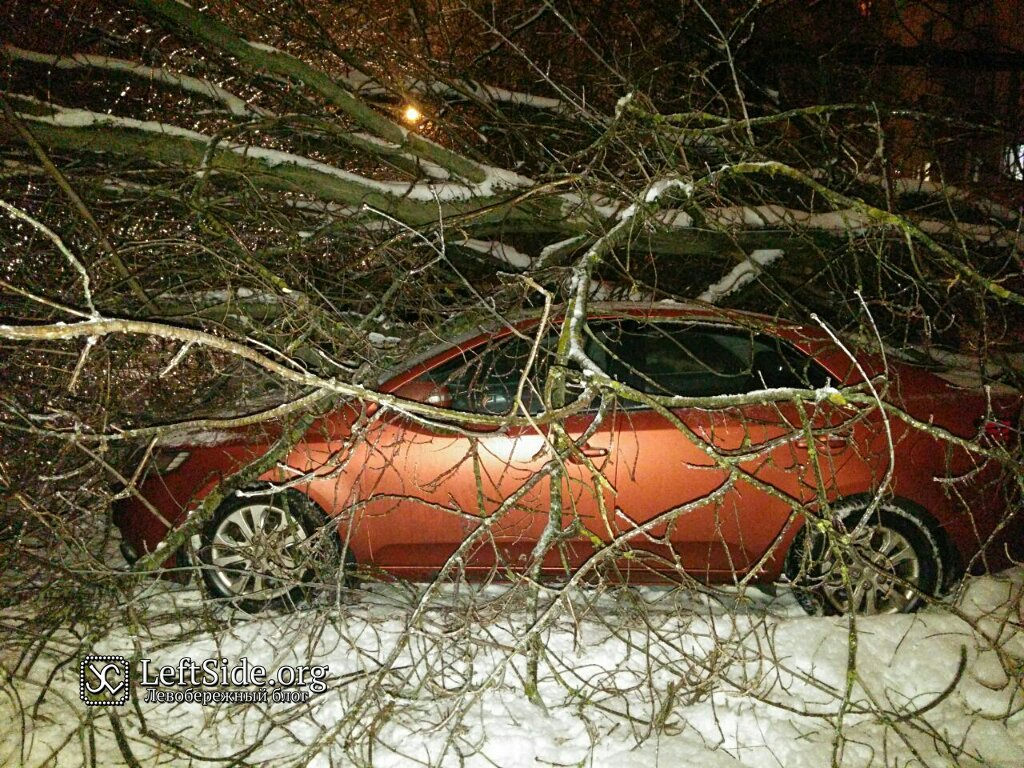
[998,430]
[168,461]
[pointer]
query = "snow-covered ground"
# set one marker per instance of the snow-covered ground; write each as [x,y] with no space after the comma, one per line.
[628,677]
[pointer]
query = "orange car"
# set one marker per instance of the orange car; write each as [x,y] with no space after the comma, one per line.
[692,442]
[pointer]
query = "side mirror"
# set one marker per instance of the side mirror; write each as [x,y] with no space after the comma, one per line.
[426,392]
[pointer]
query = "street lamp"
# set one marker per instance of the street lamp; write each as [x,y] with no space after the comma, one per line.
[411,114]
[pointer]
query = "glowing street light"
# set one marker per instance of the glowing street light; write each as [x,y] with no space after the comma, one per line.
[412,115]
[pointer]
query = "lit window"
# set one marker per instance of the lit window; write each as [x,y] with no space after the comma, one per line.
[1014,160]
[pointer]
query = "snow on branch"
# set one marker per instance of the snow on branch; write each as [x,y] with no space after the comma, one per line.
[422,192]
[365,85]
[772,216]
[205,88]
[489,94]
[498,250]
[740,275]
[849,220]
[903,185]
[10,168]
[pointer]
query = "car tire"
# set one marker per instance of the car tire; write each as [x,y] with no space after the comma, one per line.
[273,550]
[892,554]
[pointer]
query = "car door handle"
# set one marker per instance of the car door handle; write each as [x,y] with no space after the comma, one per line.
[825,444]
[583,452]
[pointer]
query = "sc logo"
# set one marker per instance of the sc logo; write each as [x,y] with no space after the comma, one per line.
[103,681]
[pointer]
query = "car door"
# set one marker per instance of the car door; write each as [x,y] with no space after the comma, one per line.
[430,489]
[708,490]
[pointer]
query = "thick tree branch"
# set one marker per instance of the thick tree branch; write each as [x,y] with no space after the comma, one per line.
[196,85]
[187,21]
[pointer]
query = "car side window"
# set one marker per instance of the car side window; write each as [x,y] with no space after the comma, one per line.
[657,358]
[774,363]
[486,379]
[697,360]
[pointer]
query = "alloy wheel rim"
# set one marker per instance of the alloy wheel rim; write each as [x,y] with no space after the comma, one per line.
[883,571]
[255,551]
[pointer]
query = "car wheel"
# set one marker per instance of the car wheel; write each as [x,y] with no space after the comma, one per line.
[269,551]
[890,553]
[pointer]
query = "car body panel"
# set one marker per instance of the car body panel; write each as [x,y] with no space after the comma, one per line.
[407,493]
